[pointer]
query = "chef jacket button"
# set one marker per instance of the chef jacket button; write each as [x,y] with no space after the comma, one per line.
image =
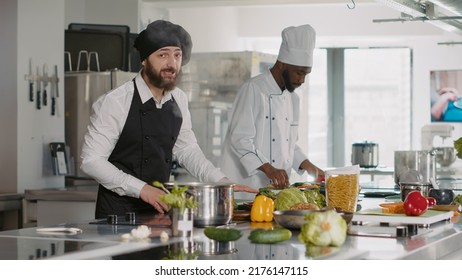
[287,119]
[274,139]
[144,113]
[274,160]
[167,160]
[287,140]
[146,160]
[173,138]
[267,117]
[272,118]
[146,137]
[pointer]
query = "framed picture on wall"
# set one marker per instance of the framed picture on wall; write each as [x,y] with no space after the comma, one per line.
[446,95]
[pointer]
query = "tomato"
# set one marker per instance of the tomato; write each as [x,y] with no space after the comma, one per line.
[415,204]
[431,201]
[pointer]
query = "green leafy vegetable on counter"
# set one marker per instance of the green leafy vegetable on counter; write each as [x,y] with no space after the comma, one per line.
[316,197]
[267,192]
[176,198]
[288,198]
[326,228]
[457,200]
[458,147]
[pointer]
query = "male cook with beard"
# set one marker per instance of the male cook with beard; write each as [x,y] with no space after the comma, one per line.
[261,143]
[139,128]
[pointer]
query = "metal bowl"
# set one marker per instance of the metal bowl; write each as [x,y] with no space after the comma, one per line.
[294,219]
[445,156]
[442,196]
[407,187]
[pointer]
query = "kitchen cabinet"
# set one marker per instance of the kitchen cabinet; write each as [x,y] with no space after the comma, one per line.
[55,206]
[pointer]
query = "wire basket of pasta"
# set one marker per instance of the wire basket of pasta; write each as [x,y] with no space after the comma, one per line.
[342,188]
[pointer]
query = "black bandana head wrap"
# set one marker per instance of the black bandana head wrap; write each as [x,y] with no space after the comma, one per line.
[161,33]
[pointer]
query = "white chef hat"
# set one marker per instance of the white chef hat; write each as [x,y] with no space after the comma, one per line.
[297,45]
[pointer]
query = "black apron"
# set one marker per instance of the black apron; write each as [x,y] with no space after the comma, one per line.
[143,150]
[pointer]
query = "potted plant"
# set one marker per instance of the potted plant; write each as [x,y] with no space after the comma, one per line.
[181,208]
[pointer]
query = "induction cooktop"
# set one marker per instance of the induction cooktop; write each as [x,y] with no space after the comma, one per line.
[22,248]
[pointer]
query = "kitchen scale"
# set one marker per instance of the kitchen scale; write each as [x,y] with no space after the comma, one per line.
[376,215]
[374,223]
[408,231]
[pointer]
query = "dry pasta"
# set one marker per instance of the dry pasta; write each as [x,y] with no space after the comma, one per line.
[342,191]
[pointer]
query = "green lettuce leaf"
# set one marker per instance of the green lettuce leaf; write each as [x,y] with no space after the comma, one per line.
[458,147]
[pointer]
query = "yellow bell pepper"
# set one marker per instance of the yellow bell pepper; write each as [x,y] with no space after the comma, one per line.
[262,209]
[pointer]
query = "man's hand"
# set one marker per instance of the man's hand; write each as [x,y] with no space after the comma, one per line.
[237,187]
[244,188]
[278,177]
[152,195]
[314,171]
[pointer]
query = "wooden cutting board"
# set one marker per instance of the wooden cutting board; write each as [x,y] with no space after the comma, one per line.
[241,215]
[376,215]
[446,208]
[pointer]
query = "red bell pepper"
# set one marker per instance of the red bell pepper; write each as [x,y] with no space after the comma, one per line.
[415,204]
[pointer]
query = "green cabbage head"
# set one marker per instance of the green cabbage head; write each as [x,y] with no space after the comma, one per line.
[289,197]
[324,228]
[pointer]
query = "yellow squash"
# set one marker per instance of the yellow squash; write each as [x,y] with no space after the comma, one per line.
[262,209]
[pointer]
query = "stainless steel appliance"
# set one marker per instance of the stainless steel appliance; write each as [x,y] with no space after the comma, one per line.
[366,154]
[211,81]
[414,166]
[81,90]
[430,131]
[445,156]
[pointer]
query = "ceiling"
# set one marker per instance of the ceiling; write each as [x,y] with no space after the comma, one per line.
[444,14]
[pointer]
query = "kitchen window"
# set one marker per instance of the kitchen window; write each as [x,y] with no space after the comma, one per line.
[354,95]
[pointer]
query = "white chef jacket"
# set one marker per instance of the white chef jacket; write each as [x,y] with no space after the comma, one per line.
[110,112]
[263,128]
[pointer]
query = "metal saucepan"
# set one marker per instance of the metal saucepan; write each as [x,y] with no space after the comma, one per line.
[215,202]
[366,154]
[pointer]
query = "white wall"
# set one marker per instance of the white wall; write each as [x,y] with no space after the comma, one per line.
[34,30]
[39,38]
[117,12]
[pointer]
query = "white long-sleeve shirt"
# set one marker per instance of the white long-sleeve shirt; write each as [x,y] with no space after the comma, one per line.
[110,112]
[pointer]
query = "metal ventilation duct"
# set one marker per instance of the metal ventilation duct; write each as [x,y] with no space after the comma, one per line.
[454,6]
[445,14]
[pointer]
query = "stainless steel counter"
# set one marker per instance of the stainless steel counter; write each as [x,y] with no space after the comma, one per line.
[99,240]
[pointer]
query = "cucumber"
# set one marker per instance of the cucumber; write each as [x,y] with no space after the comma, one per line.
[222,234]
[270,236]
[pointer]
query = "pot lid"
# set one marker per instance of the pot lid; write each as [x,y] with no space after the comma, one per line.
[365,143]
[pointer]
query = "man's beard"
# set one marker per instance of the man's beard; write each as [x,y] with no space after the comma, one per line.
[157,80]
[287,83]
